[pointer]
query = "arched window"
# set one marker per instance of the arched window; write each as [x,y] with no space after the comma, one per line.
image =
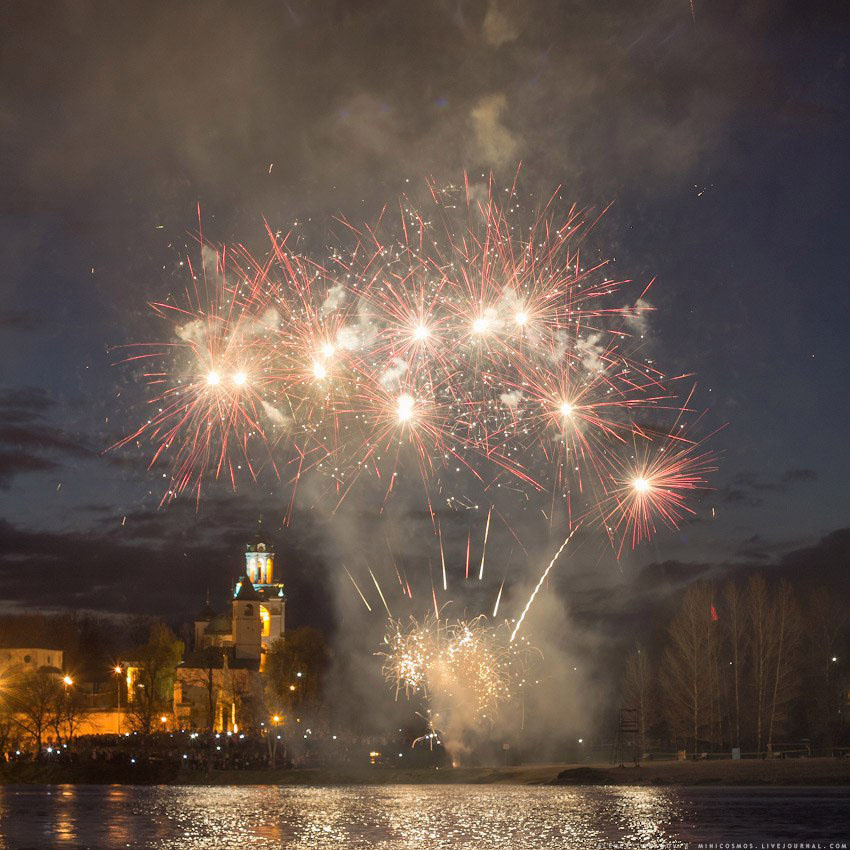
[265,620]
[249,610]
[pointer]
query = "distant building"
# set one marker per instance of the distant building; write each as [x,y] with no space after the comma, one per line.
[221,674]
[16,659]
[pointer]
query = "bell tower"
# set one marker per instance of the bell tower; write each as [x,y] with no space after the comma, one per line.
[260,572]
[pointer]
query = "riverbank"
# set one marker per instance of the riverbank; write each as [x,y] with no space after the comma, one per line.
[778,772]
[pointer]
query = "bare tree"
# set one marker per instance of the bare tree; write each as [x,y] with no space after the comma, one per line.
[35,701]
[67,712]
[761,626]
[826,620]
[686,668]
[734,622]
[787,639]
[636,689]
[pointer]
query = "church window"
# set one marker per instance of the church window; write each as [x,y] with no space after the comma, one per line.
[27,659]
[249,610]
[265,620]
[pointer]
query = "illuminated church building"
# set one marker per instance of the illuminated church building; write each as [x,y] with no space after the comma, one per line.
[229,650]
[258,611]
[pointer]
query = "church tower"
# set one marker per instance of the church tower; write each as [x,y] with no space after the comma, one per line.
[246,626]
[259,569]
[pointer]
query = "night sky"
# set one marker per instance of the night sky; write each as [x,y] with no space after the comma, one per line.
[720,138]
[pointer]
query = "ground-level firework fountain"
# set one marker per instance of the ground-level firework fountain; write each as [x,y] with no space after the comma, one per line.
[465,671]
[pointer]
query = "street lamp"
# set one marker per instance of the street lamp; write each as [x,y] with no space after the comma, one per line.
[68,681]
[119,673]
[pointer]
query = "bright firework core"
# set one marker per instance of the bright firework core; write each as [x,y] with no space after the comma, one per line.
[521,318]
[320,371]
[405,408]
[641,485]
[481,325]
[566,408]
[212,379]
[421,332]
[328,349]
[239,379]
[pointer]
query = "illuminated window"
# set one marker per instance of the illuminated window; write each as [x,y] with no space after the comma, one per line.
[265,619]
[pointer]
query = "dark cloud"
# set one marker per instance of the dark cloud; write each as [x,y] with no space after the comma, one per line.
[29,443]
[18,320]
[744,487]
[18,463]
[797,476]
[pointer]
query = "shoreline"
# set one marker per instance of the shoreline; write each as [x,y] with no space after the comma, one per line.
[784,772]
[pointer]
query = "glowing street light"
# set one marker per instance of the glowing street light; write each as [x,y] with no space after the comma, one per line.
[68,681]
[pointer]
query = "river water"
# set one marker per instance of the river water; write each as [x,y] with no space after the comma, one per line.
[472,817]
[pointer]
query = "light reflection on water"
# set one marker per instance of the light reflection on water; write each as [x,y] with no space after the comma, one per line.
[396,817]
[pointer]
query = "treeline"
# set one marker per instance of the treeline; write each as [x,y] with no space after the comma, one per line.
[753,665]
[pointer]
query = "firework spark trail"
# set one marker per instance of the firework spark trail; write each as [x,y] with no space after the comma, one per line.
[380,593]
[498,598]
[442,556]
[484,548]
[360,594]
[542,579]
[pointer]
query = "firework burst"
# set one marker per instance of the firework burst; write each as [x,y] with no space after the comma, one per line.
[470,344]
